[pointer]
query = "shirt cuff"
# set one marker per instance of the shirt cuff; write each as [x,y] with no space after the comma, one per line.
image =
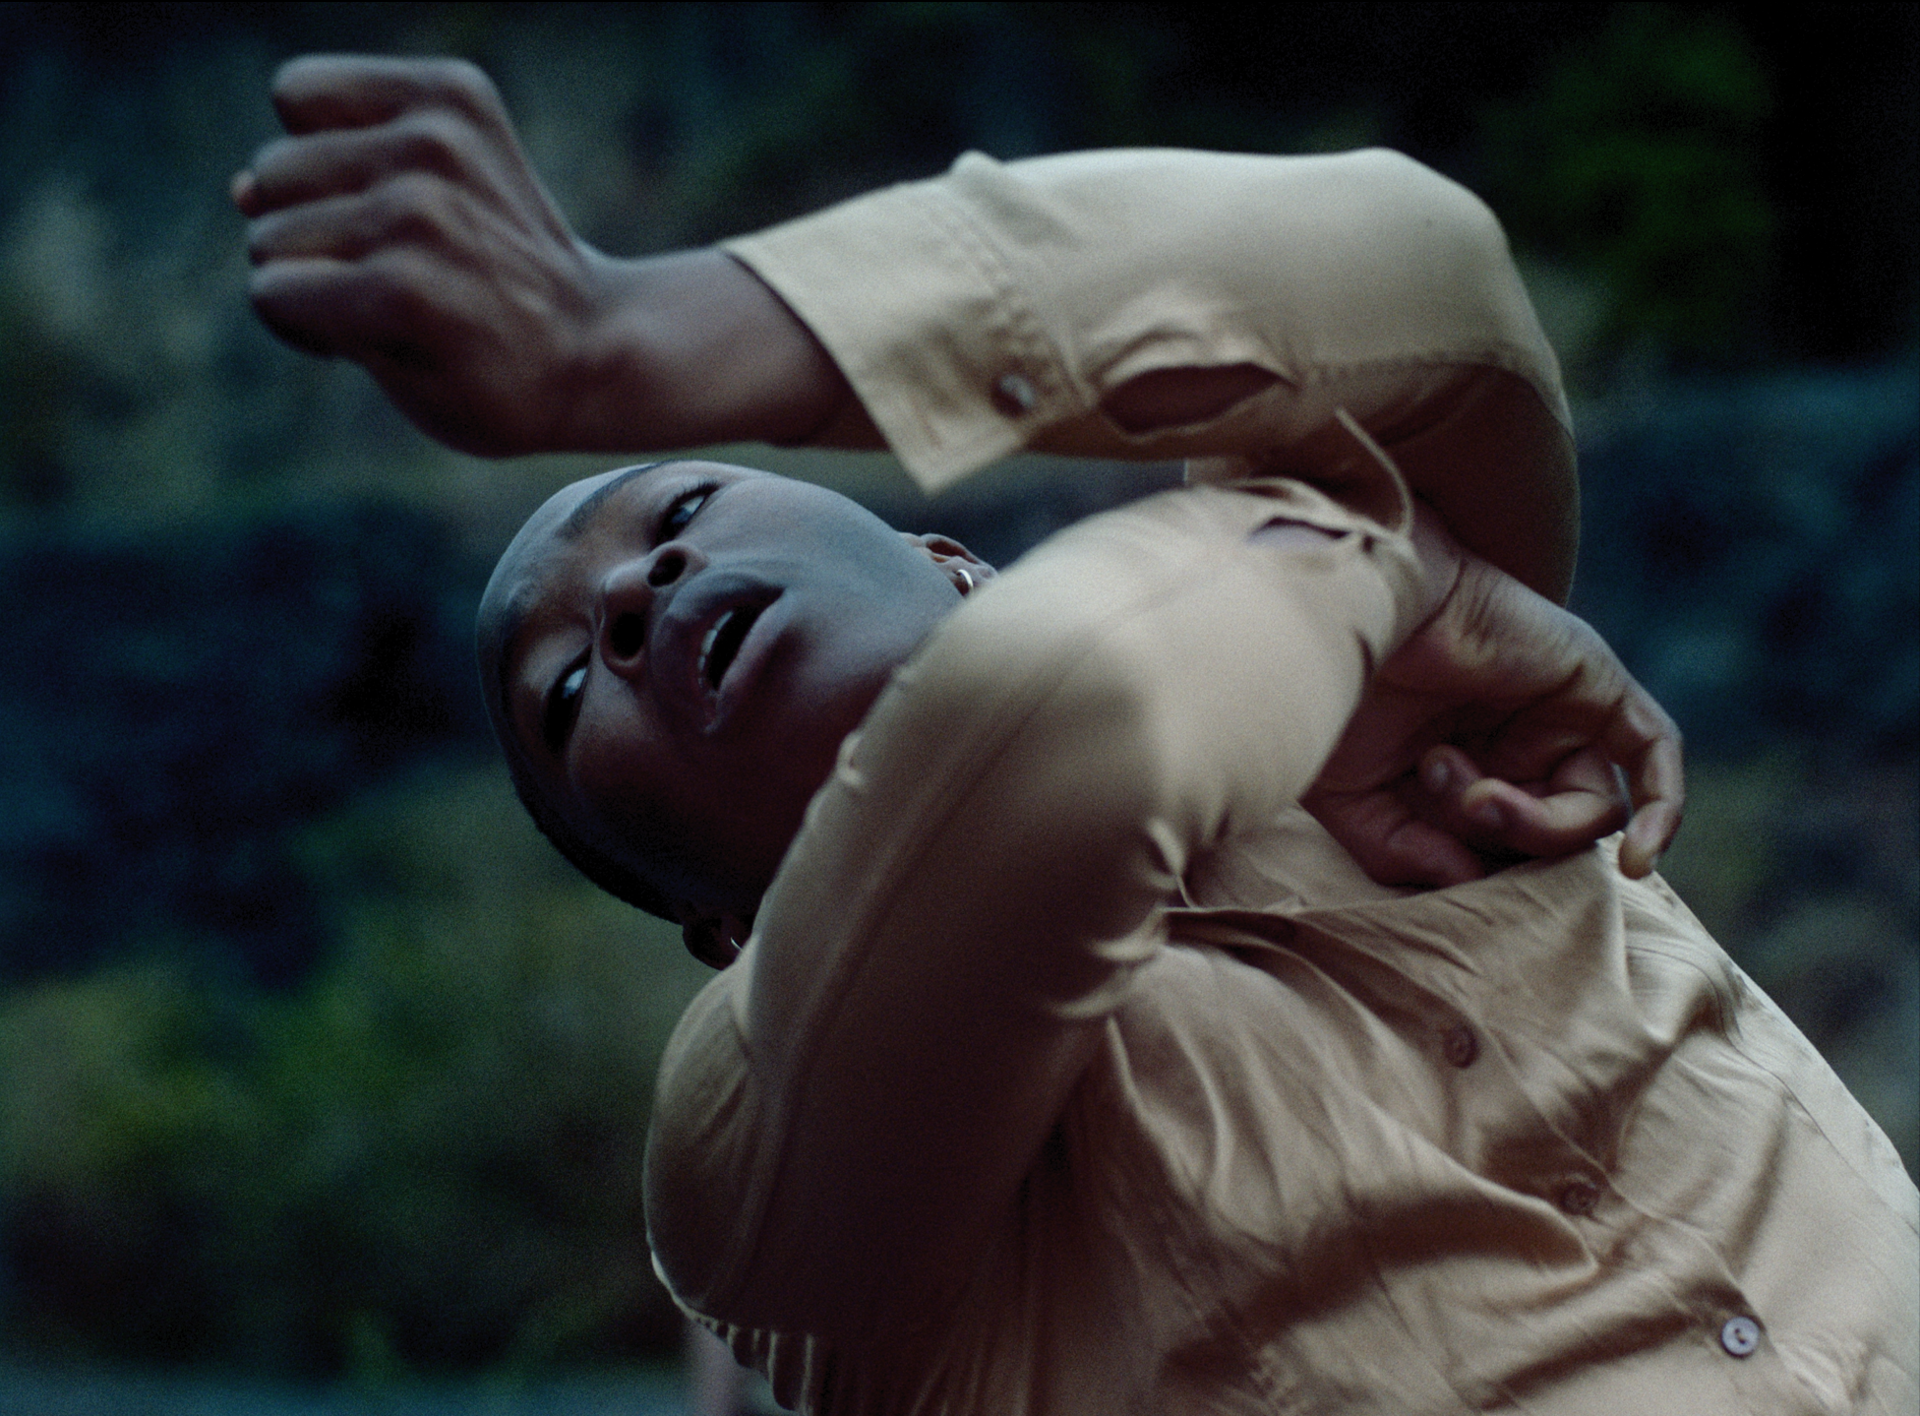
[938,340]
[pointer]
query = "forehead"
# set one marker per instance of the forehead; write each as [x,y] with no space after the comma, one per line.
[541,553]
[544,545]
[564,518]
[538,550]
[577,506]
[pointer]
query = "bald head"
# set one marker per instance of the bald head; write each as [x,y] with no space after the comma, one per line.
[671,655]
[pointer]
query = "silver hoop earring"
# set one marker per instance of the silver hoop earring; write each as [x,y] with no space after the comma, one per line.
[965,587]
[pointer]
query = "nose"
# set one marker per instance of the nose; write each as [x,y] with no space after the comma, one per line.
[627,598]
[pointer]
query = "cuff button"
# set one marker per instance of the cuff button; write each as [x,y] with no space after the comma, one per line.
[1578,1197]
[1014,394]
[1740,1336]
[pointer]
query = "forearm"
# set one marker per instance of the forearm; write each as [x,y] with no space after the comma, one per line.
[689,349]
[1122,304]
[399,225]
[1189,305]
[978,882]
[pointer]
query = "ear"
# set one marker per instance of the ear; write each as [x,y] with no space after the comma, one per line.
[953,560]
[714,938]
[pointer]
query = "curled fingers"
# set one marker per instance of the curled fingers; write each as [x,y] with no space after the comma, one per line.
[321,91]
[323,305]
[291,171]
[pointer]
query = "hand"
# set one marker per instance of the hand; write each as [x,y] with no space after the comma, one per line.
[400,225]
[1500,729]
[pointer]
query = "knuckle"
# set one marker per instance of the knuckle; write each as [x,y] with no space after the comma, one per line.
[294,76]
[408,195]
[271,155]
[277,162]
[406,189]
[435,141]
[463,74]
[310,76]
[405,207]
[440,71]
[464,87]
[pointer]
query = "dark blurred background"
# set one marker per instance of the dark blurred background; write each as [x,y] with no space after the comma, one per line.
[315,1063]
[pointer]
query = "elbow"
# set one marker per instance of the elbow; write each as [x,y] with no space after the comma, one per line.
[1438,210]
[1463,227]
[1449,241]
[1442,255]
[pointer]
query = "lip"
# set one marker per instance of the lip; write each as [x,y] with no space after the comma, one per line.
[690,621]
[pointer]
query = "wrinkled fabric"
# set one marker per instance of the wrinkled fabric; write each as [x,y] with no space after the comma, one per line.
[1071,1067]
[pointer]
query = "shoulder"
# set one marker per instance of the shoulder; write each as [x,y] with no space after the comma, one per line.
[701,1144]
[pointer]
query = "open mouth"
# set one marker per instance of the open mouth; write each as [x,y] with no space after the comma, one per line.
[715,638]
[722,642]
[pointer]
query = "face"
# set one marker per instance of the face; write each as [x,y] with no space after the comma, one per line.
[678,652]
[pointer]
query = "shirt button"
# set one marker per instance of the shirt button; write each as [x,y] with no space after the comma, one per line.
[1578,1197]
[1460,1046]
[1014,394]
[1740,1336]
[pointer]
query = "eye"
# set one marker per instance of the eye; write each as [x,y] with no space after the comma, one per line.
[562,706]
[683,508]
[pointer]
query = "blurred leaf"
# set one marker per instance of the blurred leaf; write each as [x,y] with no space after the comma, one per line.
[1637,163]
[427,1157]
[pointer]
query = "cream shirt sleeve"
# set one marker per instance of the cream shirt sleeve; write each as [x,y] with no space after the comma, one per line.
[996,307]
[846,1114]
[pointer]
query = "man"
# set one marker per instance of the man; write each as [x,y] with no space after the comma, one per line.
[1064,1065]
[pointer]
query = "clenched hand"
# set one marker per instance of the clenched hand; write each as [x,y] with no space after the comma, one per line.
[400,225]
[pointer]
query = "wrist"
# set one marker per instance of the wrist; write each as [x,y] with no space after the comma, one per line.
[601,405]
[690,348]
[1439,558]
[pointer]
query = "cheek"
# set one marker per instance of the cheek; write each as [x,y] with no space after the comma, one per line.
[638,790]
[614,765]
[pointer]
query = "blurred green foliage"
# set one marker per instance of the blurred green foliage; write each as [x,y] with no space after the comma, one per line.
[426,1157]
[1811,877]
[1637,163]
[425,1154]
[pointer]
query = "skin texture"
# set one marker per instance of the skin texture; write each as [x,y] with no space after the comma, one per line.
[1503,728]
[399,224]
[592,633]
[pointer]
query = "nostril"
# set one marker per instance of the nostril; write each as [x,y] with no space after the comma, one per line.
[667,567]
[627,634]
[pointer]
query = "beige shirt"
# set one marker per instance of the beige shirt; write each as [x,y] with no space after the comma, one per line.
[1071,1068]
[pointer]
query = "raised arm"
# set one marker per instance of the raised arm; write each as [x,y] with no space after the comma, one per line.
[848,1111]
[1214,304]
[1244,312]
[1249,313]
[398,224]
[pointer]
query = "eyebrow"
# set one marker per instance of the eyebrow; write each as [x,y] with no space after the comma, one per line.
[582,515]
[514,616]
